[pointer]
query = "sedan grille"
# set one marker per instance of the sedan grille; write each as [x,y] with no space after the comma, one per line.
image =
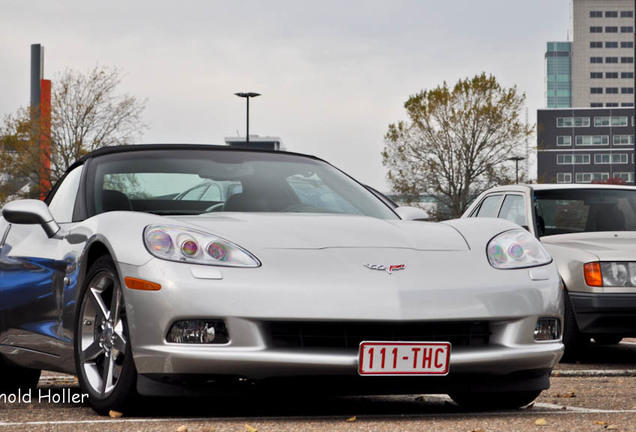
[349,335]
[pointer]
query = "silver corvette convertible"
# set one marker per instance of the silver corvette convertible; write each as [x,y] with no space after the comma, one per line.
[184,269]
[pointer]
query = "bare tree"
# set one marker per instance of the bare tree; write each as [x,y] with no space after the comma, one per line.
[457,141]
[86,114]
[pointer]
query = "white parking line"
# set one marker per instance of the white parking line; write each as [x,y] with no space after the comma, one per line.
[543,409]
[593,373]
[570,409]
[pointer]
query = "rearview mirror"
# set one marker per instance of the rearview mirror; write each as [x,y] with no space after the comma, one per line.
[412,213]
[31,212]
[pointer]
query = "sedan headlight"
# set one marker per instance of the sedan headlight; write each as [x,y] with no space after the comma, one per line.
[516,249]
[610,274]
[180,244]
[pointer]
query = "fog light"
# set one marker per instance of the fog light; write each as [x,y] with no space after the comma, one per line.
[547,329]
[198,332]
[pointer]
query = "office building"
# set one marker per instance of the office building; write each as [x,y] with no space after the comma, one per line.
[590,137]
[603,53]
[582,145]
[558,61]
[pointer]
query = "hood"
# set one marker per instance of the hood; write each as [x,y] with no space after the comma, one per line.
[614,245]
[313,231]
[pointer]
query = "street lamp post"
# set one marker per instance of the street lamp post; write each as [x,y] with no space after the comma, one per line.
[247,96]
[517,159]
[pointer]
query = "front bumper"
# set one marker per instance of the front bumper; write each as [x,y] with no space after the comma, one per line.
[603,313]
[510,302]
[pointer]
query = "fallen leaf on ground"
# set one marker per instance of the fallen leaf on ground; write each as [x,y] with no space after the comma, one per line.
[352,419]
[598,422]
[541,422]
[249,428]
[183,428]
[115,414]
[611,427]
[567,395]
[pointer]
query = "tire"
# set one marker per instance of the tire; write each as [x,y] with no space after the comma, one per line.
[15,378]
[103,355]
[494,400]
[607,339]
[573,340]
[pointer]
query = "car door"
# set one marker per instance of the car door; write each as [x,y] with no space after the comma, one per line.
[33,269]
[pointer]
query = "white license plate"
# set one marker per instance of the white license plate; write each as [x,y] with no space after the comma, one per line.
[404,358]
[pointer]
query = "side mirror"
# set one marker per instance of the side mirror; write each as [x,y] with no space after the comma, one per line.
[412,213]
[31,212]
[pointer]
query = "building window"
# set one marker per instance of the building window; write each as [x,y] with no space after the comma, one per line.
[627,176]
[611,29]
[627,90]
[588,140]
[627,14]
[610,158]
[611,104]
[573,121]
[573,159]
[623,139]
[596,45]
[589,177]
[596,29]
[611,59]
[627,59]
[596,105]
[564,177]
[596,14]
[607,45]
[596,90]
[596,59]
[611,90]
[611,14]
[610,121]
[627,29]
[611,75]
[564,140]
[595,75]
[627,104]
[627,44]
[627,75]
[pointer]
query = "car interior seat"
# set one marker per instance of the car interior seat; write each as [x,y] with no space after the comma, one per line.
[113,200]
[610,218]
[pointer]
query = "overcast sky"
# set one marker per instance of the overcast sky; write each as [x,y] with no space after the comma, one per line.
[333,74]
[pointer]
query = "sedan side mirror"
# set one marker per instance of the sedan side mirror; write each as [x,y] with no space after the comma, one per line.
[412,213]
[31,212]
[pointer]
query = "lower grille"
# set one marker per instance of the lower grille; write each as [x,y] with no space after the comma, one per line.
[301,334]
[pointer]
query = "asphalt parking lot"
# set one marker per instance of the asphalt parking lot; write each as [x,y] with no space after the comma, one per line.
[596,394]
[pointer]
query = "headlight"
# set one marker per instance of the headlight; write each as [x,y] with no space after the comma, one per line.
[516,249]
[187,245]
[610,274]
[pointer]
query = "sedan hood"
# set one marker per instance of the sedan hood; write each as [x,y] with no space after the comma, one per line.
[311,231]
[609,245]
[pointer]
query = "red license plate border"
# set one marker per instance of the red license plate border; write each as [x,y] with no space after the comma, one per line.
[364,344]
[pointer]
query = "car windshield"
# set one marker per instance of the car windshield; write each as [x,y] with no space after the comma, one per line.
[181,182]
[585,210]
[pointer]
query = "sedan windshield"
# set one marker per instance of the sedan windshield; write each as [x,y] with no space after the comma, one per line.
[173,182]
[585,210]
